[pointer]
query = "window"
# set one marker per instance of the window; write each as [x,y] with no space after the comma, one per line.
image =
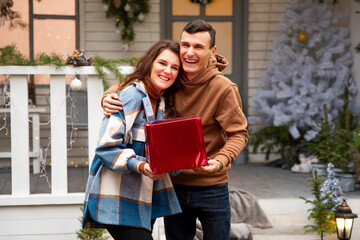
[52,26]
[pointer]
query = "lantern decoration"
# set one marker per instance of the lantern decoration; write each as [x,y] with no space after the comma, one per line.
[302,37]
[78,58]
[75,84]
[344,221]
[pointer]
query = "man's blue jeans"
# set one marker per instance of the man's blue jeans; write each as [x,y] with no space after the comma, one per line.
[210,204]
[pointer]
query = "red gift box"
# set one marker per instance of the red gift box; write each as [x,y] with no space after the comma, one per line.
[175,144]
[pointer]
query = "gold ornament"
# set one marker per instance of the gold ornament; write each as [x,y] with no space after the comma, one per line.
[302,37]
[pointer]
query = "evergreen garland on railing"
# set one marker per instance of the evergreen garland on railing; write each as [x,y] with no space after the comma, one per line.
[9,55]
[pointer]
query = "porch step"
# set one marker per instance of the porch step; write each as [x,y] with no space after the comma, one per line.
[282,212]
[294,232]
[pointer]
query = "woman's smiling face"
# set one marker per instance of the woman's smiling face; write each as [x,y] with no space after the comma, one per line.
[164,70]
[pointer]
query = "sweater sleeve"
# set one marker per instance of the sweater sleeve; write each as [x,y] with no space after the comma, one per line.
[233,121]
[112,149]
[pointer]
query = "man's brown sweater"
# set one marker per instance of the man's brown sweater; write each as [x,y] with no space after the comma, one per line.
[214,98]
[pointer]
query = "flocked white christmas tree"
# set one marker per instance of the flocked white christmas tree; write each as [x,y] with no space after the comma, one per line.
[309,66]
[332,186]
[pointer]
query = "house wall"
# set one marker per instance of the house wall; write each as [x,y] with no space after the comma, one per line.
[99,35]
[355,38]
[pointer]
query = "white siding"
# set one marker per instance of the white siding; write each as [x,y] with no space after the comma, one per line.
[99,35]
[44,222]
[354,14]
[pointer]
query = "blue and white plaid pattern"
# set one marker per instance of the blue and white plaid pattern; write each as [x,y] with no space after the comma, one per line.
[115,193]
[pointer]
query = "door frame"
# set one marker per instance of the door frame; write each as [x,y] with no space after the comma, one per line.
[240,35]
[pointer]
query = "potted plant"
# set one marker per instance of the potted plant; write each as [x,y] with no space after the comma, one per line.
[344,152]
[276,139]
[322,147]
[349,145]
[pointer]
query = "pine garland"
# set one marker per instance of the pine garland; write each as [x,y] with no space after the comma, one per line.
[110,64]
[9,55]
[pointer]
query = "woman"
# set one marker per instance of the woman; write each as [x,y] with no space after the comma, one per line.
[122,193]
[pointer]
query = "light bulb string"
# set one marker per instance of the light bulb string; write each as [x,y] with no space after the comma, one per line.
[71,116]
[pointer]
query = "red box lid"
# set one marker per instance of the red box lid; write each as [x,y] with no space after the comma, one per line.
[175,144]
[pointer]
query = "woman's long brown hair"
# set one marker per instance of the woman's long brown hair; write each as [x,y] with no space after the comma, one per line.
[143,70]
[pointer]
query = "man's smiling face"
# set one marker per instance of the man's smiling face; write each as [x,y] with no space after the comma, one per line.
[195,52]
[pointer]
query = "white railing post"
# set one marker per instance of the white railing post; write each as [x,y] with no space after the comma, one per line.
[58,135]
[20,165]
[95,113]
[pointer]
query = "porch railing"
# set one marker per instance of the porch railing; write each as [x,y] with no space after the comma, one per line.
[19,114]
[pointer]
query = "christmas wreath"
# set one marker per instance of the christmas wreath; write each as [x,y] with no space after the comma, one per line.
[126,13]
[7,14]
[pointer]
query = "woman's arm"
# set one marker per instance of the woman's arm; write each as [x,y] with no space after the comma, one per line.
[112,149]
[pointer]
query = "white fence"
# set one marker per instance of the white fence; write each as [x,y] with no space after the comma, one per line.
[21,208]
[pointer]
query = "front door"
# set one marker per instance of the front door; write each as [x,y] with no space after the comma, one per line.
[228,17]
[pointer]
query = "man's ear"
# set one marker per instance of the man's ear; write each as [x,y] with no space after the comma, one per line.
[213,51]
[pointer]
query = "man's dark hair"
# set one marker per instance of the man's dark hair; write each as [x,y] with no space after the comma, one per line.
[199,25]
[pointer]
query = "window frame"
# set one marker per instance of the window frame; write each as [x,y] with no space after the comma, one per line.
[33,16]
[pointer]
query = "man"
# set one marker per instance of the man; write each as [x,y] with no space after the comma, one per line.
[203,191]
